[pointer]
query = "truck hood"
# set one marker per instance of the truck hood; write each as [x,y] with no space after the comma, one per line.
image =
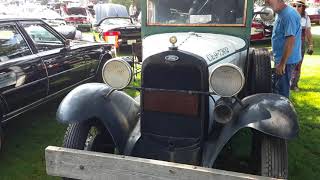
[211,47]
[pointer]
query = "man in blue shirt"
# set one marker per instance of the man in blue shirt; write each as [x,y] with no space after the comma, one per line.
[286,43]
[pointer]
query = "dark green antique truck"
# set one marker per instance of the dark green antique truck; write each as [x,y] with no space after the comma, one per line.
[201,83]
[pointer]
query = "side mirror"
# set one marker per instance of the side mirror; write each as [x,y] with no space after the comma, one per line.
[66,47]
[67,43]
[267,15]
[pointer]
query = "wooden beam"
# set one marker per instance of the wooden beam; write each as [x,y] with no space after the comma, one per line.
[87,165]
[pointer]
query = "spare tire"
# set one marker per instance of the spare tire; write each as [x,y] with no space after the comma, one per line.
[260,74]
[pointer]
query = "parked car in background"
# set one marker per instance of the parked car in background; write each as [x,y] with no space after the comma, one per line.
[126,30]
[37,64]
[260,31]
[314,14]
[79,17]
[49,16]
[69,32]
[55,20]
[262,23]
[109,10]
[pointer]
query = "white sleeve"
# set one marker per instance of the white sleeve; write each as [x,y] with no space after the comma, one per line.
[308,22]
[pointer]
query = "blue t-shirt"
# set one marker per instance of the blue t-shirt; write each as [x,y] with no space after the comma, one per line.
[287,23]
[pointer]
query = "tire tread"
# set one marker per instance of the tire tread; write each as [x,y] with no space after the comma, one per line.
[274,157]
[261,75]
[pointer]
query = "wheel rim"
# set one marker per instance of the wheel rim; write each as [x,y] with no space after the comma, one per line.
[92,134]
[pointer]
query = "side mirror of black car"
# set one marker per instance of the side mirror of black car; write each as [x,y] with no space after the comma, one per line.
[67,43]
[66,46]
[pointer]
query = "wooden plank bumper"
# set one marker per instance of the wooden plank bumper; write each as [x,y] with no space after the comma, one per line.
[88,165]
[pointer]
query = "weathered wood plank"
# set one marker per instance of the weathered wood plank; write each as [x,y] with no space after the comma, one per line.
[87,165]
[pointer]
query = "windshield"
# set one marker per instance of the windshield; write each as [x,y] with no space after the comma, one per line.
[76,11]
[201,12]
[117,21]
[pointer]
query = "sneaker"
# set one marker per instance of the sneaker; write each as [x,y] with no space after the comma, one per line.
[296,89]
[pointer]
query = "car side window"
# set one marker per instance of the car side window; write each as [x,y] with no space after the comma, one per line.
[43,39]
[12,44]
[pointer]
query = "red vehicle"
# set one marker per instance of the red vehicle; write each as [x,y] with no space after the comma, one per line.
[314,15]
[262,24]
[260,31]
[80,17]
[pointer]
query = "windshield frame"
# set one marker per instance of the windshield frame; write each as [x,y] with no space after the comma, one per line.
[243,24]
[115,17]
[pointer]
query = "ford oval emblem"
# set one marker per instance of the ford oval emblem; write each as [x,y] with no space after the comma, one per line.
[172,58]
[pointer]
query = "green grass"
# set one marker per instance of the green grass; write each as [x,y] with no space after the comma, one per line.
[28,135]
[26,138]
[304,151]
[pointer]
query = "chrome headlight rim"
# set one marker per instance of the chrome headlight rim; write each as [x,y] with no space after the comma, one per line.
[127,66]
[232,66]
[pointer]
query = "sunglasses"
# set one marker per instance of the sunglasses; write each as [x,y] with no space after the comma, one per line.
[297,5]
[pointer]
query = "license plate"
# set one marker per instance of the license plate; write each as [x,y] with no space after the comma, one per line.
[130,42]
[111,39]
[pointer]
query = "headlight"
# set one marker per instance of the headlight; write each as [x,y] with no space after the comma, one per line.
[226,80]
[117,73]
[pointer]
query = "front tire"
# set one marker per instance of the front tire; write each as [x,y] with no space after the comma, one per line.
[80,136]
[269,154]
[1,137]
[274,157]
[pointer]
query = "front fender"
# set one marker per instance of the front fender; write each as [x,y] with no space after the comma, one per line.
[115,109]
[268,113]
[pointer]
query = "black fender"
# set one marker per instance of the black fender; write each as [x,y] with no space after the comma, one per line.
[115,109]
[268,113]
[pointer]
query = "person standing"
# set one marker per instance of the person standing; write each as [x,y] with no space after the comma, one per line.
[286,44]
[306,36]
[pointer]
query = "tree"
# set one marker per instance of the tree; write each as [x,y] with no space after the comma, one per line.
[126,3]
[44,2]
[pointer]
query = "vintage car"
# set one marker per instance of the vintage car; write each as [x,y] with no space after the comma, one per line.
[124,28]
[314,14]
[37,64]
[201,83]
[78,16]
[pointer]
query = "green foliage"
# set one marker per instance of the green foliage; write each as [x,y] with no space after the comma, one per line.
[44,2]
[123,2]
